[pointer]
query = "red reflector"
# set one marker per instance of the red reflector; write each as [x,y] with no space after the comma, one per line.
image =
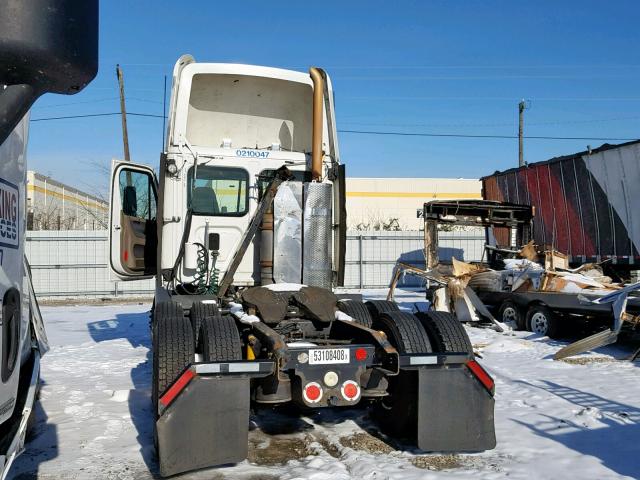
[125,255]
[350,390]
[312,392]
[482,375]
[177,387]
[361,354]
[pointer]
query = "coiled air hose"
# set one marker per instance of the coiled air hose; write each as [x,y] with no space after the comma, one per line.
[206,278]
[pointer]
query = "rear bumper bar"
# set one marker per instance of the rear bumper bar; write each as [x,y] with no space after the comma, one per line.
[252,369]
[204,416]
[430,359]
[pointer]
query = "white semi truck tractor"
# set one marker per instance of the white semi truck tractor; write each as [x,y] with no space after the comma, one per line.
[244,231]
[45,46]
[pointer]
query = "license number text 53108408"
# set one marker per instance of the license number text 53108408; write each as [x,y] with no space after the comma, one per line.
[323,356]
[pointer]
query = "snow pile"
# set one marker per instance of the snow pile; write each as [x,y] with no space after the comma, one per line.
[343,316]
[521,264]
[284,287]
[243,317]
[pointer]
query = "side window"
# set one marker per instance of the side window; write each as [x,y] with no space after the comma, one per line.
[218,191]
[137,195]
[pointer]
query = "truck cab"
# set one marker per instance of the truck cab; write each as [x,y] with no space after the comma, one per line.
[230,128]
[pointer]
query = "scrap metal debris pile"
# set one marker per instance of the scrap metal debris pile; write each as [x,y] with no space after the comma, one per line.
[530,286]
[526,275]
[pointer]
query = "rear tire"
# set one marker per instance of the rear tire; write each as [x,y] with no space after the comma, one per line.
[405,332]
[199,311]
[378,307]
[356,310]
[397,413]
[446,333]
[543,321]
[510,312]
[219,339]
[173,347]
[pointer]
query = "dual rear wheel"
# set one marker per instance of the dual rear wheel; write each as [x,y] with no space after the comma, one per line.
[428,332]
[177,338]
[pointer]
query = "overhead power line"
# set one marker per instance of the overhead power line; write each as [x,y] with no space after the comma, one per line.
[362,132]
[483,77]
[95,115]
[461,135]
[489,99]
[500,124]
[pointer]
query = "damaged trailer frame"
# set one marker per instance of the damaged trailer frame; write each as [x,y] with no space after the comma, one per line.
[528,297]
[517,219]
[553,313]
[440,279]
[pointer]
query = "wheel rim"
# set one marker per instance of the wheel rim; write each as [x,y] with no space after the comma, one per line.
[509,314]
[539,323]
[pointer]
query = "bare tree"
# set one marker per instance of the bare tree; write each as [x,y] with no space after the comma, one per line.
[375,222]
[100,191]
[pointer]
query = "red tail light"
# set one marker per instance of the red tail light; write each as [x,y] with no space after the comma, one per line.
[177,387]
[484,378]
[312,392]
[350,390]
[361,354]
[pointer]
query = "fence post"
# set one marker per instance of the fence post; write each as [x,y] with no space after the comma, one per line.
[360,261]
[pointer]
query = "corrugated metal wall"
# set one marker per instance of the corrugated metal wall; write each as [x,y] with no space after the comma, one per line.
[75,263]
[586,204]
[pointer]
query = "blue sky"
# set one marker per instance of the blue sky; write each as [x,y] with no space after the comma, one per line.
[405,66]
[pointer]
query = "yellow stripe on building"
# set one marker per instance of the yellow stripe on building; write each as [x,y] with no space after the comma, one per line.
[66,198]
[414,195]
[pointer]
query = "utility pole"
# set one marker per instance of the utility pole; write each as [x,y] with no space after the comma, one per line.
[521,108]
[123,111]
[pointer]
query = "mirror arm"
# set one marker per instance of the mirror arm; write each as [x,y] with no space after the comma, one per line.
[15,102]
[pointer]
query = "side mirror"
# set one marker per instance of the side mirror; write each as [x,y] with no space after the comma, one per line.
[45,46]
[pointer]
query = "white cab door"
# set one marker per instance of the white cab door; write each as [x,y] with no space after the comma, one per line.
[133,234]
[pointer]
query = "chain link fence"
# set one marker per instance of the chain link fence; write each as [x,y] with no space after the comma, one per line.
[371,256]
[76,263]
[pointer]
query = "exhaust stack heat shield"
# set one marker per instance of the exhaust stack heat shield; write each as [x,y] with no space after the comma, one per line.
[316,251]
[287,233]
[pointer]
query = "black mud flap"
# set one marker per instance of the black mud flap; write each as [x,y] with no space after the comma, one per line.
[206,425]
[455,411]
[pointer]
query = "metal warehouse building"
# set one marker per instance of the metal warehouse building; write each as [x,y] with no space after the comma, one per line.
[372,202]
[52,205]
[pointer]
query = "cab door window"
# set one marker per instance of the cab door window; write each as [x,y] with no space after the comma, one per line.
[138,221]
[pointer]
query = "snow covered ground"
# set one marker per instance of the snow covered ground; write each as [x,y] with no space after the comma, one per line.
[553,419]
